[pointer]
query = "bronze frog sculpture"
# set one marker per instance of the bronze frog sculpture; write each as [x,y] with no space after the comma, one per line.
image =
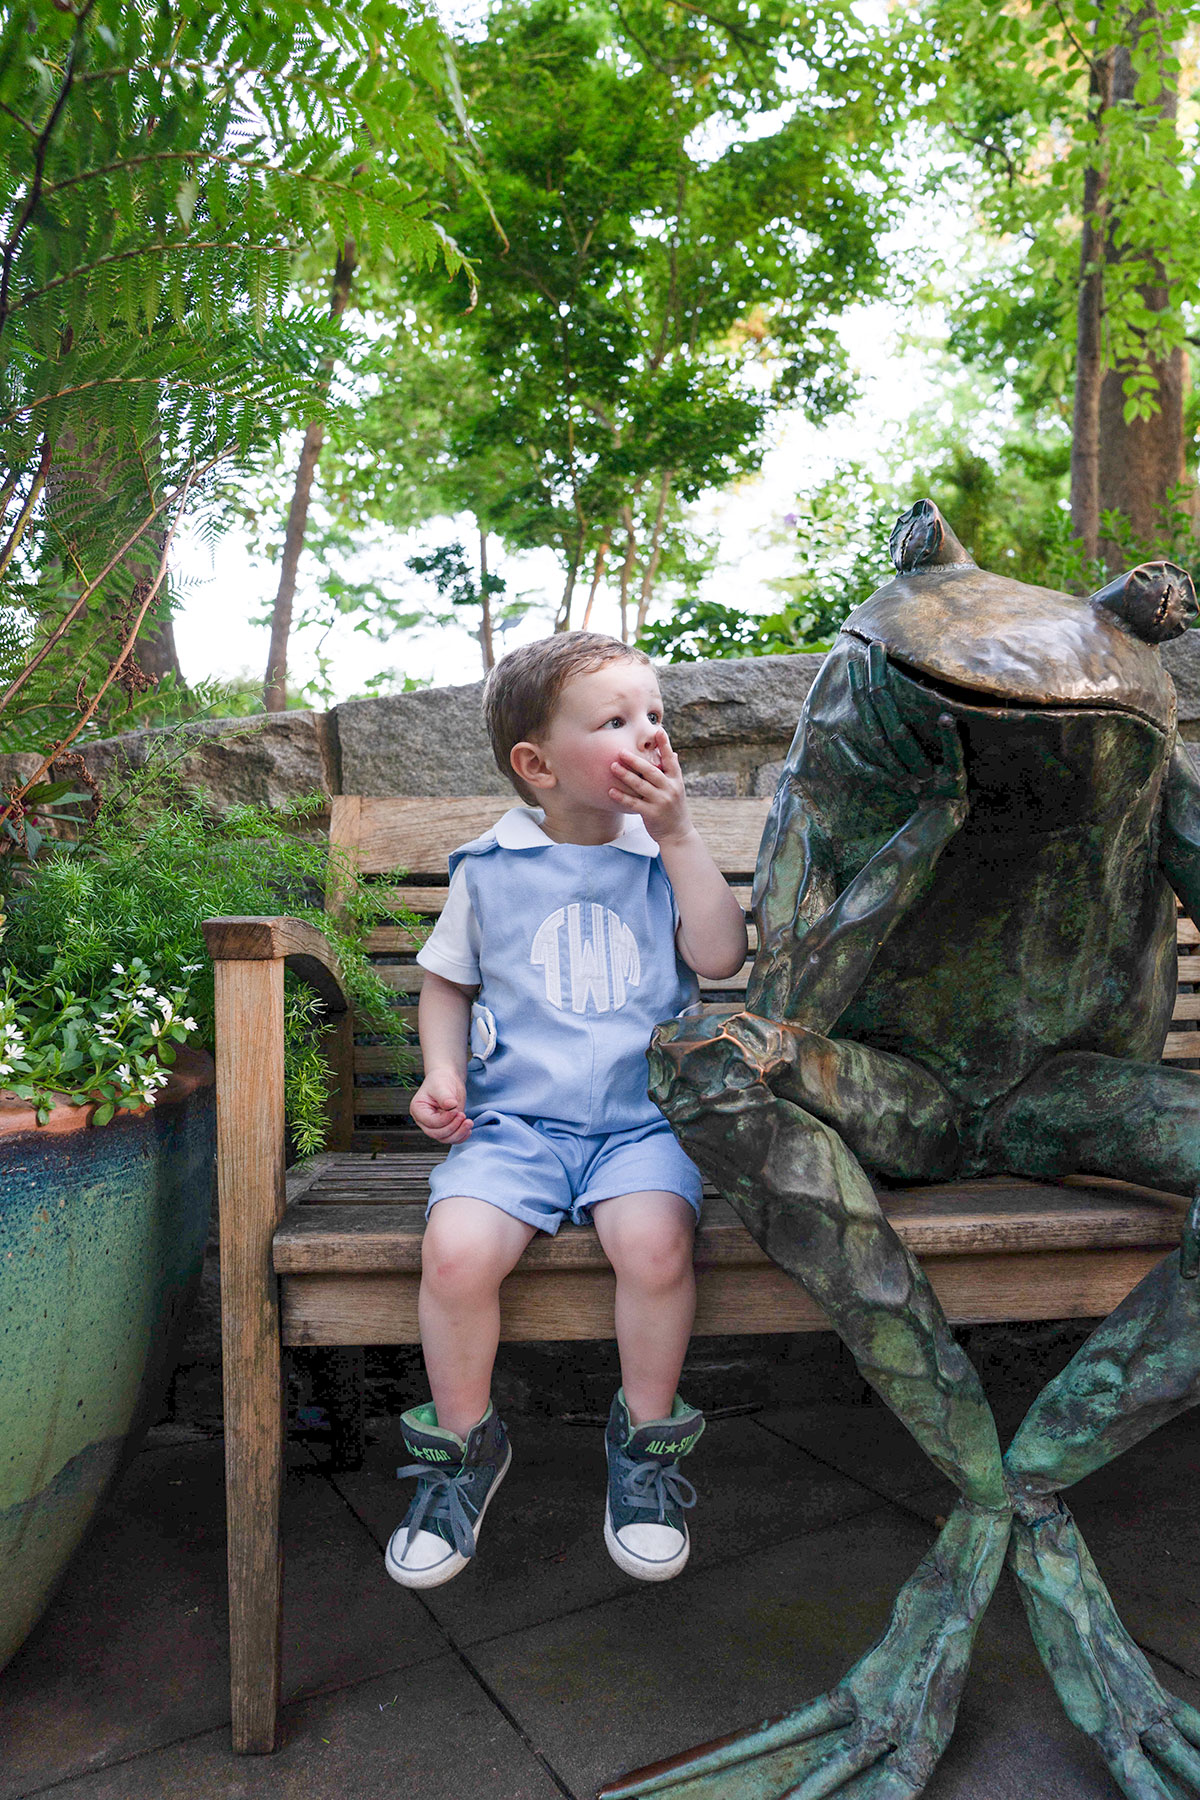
[966,965]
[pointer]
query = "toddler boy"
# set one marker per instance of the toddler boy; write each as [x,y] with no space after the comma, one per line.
[568,933]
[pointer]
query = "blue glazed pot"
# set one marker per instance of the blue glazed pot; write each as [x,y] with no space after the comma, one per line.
[102,1236]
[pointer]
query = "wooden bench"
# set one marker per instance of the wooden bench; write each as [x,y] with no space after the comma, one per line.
[329,1254]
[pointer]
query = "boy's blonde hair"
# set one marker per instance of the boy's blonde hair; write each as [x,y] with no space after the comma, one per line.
[521,692]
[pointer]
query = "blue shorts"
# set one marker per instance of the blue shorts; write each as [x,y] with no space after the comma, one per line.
[542,1172]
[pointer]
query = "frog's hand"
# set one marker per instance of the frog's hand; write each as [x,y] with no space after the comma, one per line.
[884,752]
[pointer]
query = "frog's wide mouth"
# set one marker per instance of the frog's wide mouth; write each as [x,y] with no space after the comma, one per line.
[980,700]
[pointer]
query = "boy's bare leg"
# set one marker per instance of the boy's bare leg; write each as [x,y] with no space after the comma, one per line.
[647,1238]
[468,1249]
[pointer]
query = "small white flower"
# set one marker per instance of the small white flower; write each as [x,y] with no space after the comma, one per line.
[124,1075]
[137,1009]
[118,969]
[190,1025]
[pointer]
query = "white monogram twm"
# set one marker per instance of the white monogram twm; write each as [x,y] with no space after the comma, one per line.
[599,968]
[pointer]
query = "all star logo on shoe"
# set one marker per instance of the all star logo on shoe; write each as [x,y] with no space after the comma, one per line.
[431,1455]
[667,1447]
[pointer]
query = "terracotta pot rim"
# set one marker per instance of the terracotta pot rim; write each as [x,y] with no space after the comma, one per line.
[192,1071]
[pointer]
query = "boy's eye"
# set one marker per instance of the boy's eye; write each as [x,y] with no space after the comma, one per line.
[655,718]
[615,721]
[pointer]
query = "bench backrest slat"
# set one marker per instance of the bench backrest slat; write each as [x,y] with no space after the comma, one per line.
[417,835]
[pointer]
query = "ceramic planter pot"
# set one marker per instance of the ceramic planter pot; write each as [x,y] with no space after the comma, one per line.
[102,1235]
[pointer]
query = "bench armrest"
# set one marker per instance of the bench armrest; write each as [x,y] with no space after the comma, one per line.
[306,951]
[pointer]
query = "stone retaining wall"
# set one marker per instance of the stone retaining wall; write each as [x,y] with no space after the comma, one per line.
[731,722]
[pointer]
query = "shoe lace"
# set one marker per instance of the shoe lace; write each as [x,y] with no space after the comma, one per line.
[439,1500]
[655,1484]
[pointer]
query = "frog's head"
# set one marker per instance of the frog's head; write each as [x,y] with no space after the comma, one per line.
[987,640]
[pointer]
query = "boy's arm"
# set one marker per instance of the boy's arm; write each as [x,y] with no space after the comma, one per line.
[712,926]
[443,1025]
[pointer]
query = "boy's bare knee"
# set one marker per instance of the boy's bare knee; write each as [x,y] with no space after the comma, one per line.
[455,1264]
[654,1260]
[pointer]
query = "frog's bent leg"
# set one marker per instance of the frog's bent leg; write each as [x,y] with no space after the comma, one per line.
[879,1733]
[1139,1368]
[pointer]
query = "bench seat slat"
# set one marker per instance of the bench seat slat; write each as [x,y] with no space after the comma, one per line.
[992,1218]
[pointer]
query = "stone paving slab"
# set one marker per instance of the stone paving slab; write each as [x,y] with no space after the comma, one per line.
[865,1442]
[133,1652]
[648,1676]
[531,1677]
[542,1551]
[434,1735]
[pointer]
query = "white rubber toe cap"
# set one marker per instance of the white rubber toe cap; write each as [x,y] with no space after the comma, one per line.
[425,1562]
[647,1552]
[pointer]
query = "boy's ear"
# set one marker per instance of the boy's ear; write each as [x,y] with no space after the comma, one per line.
[529,766]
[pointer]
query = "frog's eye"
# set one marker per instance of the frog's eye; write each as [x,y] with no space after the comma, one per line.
[916,537]
[1156,601]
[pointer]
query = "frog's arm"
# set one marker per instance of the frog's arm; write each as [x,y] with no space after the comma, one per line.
[1179,832]
[1179,858]
[816,946]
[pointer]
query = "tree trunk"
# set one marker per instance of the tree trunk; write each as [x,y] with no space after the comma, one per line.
[275,683]
[485,621]
[650,572]
[563,621]
[156,650]
[1141,460]
[1089,356]
[597,577]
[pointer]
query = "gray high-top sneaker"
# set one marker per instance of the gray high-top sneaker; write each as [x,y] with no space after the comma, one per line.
[644,1528]
[455,1484]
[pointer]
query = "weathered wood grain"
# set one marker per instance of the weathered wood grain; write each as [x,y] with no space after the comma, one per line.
[417,835]
[250,1175]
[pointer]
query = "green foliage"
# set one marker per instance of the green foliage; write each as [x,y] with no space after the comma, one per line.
[160,169]
[111,1048]
[138,886]
[690,197]
[1012,95]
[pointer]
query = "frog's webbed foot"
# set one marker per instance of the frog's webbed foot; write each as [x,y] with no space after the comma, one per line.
[1149,1739]
[879,1733]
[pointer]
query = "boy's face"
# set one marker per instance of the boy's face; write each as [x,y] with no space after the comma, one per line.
[608,710]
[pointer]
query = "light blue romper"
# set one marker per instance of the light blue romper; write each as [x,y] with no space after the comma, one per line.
[576,965]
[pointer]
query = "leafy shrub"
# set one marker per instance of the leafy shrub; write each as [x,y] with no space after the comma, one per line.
[98,925]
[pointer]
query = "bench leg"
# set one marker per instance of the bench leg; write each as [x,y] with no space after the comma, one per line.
[250,1167]
[254,1438]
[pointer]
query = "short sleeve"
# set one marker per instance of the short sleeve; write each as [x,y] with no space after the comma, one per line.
[452,947]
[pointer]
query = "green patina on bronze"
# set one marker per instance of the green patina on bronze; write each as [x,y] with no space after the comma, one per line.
[102,1233]
[966,912]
